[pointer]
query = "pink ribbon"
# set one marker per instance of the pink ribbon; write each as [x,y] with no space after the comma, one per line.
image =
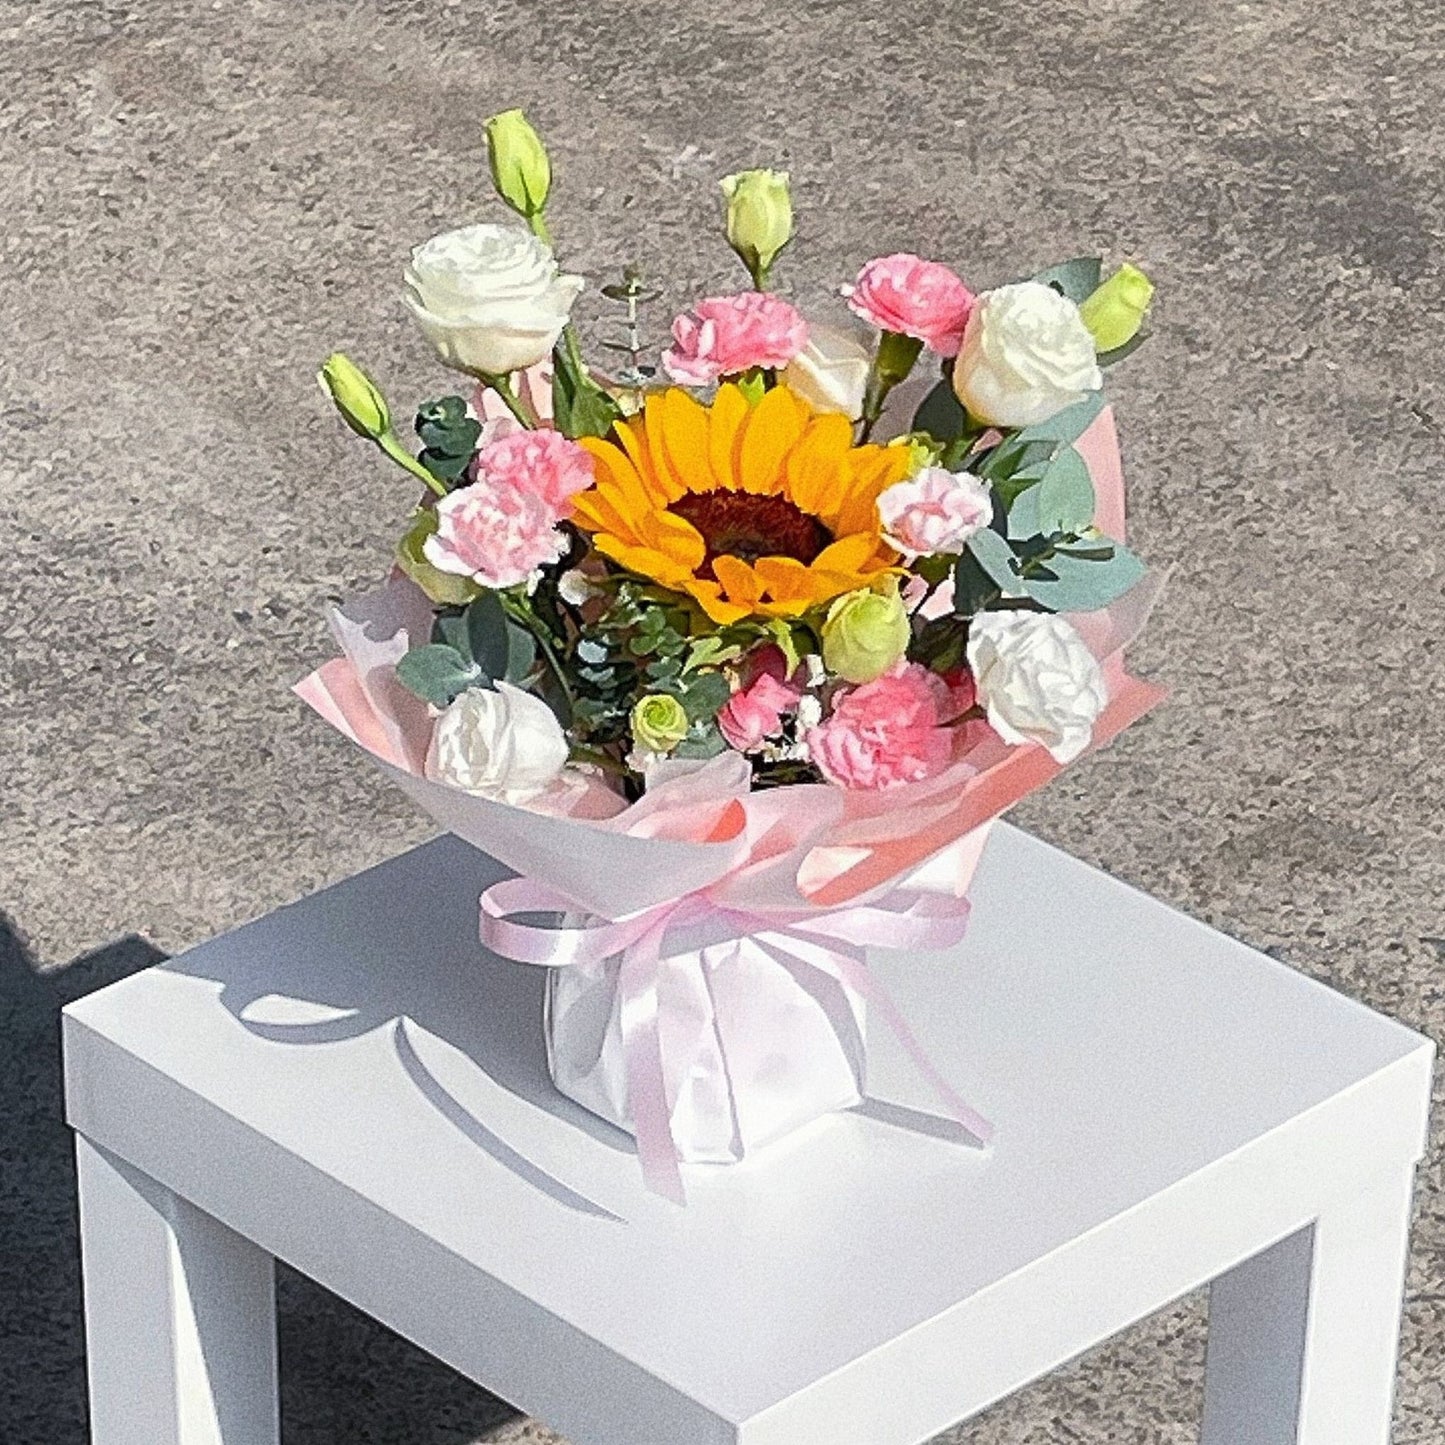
[906,918]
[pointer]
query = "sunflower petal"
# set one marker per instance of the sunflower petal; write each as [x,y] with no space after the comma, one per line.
[708,596]
[775,425]
[728,413]
[679,443]
[854,553]
[741,584]
[673,536]
[645,561]
[817,466]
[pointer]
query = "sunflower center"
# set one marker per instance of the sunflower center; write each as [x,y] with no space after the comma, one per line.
[749,526]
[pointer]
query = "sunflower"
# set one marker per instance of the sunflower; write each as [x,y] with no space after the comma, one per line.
[765,509]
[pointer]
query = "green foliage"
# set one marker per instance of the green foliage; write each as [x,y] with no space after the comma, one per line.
[1075,279]
[1082,579]
[1061,501]
[995,558]
[942,416]
[473,646]
[479,634]
[580,407]
[942,643]
[438,673]
[448,436]
[1067,425]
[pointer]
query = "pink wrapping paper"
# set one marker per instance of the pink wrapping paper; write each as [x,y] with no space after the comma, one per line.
[662,1033]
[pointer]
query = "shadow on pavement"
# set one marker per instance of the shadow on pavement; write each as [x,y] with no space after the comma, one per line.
[345,1380]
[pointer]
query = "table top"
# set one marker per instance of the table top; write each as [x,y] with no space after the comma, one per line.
[1118,1046]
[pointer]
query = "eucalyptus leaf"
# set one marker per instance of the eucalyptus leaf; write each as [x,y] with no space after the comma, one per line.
[486,630]
[702,741]
[438,673]
[521,652]
[705,695]
[1080,585]
[1023,514]
[1076,279]
[1067,425]
[1018,456]
[994,555]
[1065,496]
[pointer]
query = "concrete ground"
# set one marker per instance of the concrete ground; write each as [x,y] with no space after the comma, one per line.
[201,200]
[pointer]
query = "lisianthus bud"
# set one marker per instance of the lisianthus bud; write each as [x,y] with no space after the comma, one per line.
[362,406]
[659,722]
[865,633]
[445,588]
[1115,311]
[521,171]
[759,218]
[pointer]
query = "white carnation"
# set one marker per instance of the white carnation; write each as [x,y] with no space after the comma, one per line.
[504,744]
[1037,680]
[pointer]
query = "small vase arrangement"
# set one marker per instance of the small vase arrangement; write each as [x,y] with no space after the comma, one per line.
[733,653]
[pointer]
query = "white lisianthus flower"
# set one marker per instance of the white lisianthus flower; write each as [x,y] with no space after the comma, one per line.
[489,298]
[830,373]
[1026,355]
[1037,680]
[505,744]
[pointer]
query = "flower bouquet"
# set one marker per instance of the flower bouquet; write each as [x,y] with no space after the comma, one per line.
[733,656]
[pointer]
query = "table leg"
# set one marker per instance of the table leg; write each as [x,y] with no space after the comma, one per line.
[180,1316]
[1303,1338]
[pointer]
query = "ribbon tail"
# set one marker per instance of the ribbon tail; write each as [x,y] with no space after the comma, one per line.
[646,1080]
[860,977]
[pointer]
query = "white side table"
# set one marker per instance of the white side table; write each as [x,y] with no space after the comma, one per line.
[351,1086]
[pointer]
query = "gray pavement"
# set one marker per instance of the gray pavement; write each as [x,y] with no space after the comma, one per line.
[202,199]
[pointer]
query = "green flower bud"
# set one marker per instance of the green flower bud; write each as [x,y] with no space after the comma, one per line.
[759,218]
[362,406]
[865,633]
[444,588]
[521,171]
[659,722]
[1115,311]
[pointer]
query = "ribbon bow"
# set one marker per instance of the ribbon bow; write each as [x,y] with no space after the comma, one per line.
[906,918]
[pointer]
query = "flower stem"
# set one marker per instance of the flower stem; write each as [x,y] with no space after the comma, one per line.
[502,385]
[521,613]
[393,448]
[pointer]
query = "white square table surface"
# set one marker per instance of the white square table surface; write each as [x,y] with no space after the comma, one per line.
[352,1085]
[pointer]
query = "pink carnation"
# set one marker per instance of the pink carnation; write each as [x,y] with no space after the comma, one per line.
[496,536]
[935,511]
[503,526]
[724,335]
[887,731]
[542,464]
[917,297]
[755,711]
